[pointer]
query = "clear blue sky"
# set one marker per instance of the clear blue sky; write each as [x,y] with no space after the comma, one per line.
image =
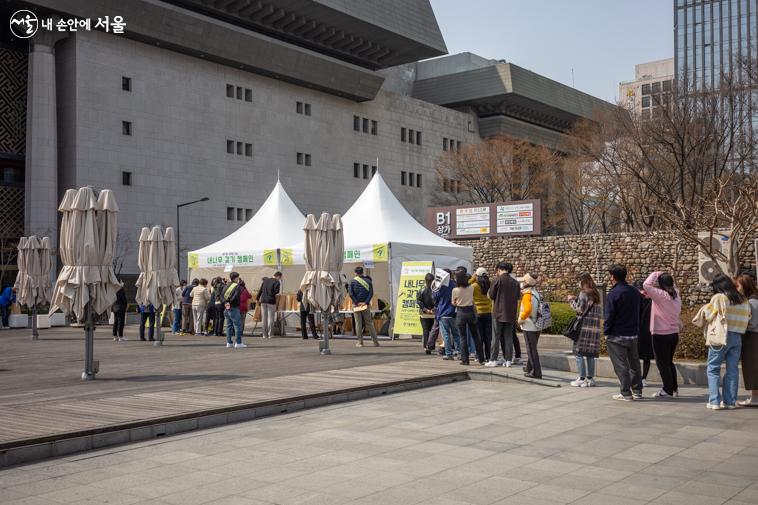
[601,40]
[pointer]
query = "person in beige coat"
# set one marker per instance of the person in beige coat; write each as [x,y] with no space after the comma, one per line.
[200,298]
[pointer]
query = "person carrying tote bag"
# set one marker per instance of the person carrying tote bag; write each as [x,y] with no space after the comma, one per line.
[587,344]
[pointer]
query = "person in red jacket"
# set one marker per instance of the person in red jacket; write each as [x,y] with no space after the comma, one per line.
[245,297]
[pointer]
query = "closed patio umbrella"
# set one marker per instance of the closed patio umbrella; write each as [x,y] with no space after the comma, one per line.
[33,280]
[142,264]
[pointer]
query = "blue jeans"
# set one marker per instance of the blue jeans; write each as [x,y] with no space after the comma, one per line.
[587,371]
[233,325]
[177,320]
[448,328]
[717,355]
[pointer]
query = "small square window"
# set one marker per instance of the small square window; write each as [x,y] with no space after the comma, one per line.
[229,91]
[299,107]
[418,138]
[299,158]
[248,149]
[240,214]
[126,127]
[402,134]
[374,127]
[365,125]
[230,213]
[411,179]
[307,109]
[230,146]
[356,123]
[418,180]
[126,178]
[248,214]
[444,143]
[365,171]
[411,136]
[248,95]
[373,170]
[307,160]
[403,178]
[239,96]
[126,83]
[356,170]
[240,147]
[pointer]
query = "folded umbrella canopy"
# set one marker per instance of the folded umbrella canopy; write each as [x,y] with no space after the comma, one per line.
[168,288]
[33,280]
[157,283]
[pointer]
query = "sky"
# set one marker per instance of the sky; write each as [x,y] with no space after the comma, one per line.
[601,40]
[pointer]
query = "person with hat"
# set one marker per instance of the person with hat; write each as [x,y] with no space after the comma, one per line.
[481,284]
[361,291]
[527,319]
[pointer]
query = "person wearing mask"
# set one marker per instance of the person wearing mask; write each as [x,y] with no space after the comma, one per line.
[119,315]
[176,326]
[231,298]
[481,284]
[361,291]
[747,287]
[187,319]
[443,300]
[200,298]
[425,301]
[218,308]
[306,317]
[587,346]
[664,328]
[266,297]
[645,339]
[531,300]
[147,317]
[245,297]
[621,328]
[465,319]
[7,298]
[505,292]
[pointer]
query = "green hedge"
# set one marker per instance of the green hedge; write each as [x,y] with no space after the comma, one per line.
[562,315]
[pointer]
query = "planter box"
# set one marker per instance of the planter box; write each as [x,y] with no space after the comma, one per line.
[18,321]
[43,321]
[58,319]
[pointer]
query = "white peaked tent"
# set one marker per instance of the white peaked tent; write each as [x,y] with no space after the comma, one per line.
[271,240]
[381,234]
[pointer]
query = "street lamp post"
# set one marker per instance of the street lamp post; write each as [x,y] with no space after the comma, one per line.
[178,241]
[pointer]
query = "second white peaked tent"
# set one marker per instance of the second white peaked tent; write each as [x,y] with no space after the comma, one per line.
[380,232]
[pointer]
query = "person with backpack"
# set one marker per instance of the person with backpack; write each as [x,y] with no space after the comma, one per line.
[664,328]
[231,298]
[529,321]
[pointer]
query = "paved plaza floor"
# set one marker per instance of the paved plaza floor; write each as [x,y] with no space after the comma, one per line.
[467,443]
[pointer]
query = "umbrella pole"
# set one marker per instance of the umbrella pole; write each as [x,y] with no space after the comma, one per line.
[35,330]
[158,333]
[89,342]
[324,346]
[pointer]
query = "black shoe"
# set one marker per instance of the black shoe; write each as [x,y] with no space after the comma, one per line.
[152,340]
[466,363]
[428,351]
[305,338]
[144,340]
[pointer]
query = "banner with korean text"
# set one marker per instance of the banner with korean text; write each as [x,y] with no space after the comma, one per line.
[407,315]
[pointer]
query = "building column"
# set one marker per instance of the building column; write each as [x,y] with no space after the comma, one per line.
[41,179]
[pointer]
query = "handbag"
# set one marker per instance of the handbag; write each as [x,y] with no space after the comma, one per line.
[715,332]
[574,328]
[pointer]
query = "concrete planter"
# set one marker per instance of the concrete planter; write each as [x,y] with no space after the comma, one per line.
[58,319]
[18,321]
[43,321]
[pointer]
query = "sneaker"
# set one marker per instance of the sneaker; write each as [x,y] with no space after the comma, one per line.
[622,398]
[241,345]
[579,382]
[727,407]
[676,394]
[637,396]
[662,394]
[359,344]
[115,339]
[748,402]
[713,406]
[447,358]
[644,383]
[491,364]
[589,383]
[516,361]
[507,364]
[229,345]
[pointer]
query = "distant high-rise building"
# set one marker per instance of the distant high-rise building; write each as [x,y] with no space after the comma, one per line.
[651,87]
[710,36]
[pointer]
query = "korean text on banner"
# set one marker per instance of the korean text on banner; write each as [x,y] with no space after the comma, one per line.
[407,319]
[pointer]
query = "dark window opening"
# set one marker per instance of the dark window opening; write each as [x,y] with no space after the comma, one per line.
[418,138]
[126,178]
[373,170]
[299,158]
[299,107]
[248,149]
[229,91]
[365,125]
[248,214]
[444,143]
[411,179]
[239,148]
[374,127]
[230,213]
[126,127]
[239,94]
[307,160]
[230,146]
[356,123]
[126,83]
[240,214]
[365,171]
[307,109]
[411,136]
[403,178]
[356,170]
[418,180]
[402,134]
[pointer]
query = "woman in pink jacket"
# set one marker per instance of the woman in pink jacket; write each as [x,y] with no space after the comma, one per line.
[664,326]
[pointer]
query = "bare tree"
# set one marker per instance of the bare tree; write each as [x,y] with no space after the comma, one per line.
[124,244]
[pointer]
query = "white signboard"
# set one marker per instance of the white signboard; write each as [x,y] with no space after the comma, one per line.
[517,218]
[472,221]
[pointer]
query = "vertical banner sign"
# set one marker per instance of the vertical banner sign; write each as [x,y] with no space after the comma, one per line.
[407,320]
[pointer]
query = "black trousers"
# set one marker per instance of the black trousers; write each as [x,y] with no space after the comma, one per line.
[311,320]
[516,344]
[427,323]
[466,320]
[119,318]
[150,320]
[484,325]
[434,333]
[664,347]
[531,338]
[218,320]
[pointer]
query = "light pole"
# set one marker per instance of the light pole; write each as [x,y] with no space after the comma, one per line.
[178,242]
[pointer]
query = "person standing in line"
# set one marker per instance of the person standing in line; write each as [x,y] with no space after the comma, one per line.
[218,308]
[587,346]
[645,338]
[747,287]
[176,327]
[7,298]
[306,317]
[210,311]
[505,292]
[664,327]
[231,298]
[266,297]
[621,328]
[147,317]
[187,320]
[527,319]
[463,299]
[443,300]
[481,284]
[361,291]
[245,297]
[119,315]
[200,298]
[425,301]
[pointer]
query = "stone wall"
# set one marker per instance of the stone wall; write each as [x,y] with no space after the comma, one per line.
[558,259]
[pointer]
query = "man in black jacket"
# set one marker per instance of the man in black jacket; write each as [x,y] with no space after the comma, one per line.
[231,299]
[621,328]
[306,316]
[270,287]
